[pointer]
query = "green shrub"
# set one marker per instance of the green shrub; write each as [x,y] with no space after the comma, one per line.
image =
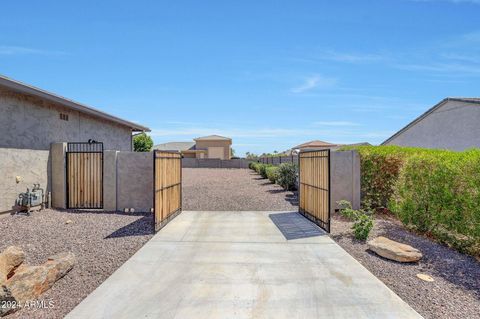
[439,195]
[362,220]
[251,165]
[263,170]
[434,192]
[287,176]
[272,173]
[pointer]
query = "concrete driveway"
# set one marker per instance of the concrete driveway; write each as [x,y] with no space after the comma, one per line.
[242,265]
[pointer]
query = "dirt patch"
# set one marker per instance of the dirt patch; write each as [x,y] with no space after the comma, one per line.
[455,293]
[213,189]
[101,241]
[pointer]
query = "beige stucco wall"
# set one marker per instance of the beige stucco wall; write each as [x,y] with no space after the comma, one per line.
[32,166]
[30,123]
[135,181]
[220,143]
[345,179]
[454,125]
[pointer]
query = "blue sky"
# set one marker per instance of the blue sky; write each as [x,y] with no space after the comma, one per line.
[269,74]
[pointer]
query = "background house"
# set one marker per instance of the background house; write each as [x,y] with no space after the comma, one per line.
[32,119]
[453,123]
[212,146]
[317,144]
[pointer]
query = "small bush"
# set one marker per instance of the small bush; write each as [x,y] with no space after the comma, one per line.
[263,170]
[362,220]
[272,173]
[287,176]
[251,165]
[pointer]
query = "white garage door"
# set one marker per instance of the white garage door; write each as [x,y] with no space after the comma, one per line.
[216,152]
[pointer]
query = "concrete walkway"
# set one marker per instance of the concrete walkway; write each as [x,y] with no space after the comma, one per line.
[242,265]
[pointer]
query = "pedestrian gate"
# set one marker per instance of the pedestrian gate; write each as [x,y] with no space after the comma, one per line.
[314,186]
[84,171]
[167,180]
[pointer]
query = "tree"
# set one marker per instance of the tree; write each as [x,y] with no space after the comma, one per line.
[142,143]
[233,152]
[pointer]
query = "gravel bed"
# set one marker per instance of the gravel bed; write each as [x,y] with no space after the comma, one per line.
[101,241]
[214,189]
[455,293]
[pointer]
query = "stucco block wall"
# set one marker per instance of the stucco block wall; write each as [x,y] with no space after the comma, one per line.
[345,179]
[454,126]
[30,123]
[135,181]
[32,166]
[225,144]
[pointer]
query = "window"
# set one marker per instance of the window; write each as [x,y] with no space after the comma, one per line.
[64,116]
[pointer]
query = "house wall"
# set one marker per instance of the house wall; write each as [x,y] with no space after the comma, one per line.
[31,166]
[220,143]
[27,122]
[454,126]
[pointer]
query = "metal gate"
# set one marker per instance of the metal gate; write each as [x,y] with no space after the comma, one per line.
[167,191]
[314,188]
[84,171]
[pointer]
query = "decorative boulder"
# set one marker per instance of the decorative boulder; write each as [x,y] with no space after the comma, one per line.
[29,282]
[393,250]
[10,259]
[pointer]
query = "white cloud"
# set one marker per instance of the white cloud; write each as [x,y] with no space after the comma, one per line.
[314,82]
[17,50]
[335,123]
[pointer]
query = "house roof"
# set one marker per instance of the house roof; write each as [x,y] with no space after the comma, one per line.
[175,146]
[315,144]
[212,138]
[473,100]
[31,90]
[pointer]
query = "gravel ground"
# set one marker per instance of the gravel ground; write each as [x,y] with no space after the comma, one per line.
[101,241]
[455,293]
[216,189]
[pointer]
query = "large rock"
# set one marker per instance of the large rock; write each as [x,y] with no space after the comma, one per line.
[29,282]
[394,250]
[10,258]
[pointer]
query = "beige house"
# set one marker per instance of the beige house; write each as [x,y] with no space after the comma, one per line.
[451,124]
[212,146]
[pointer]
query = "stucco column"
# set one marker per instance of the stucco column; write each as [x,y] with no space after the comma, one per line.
[59,182]
[110,180]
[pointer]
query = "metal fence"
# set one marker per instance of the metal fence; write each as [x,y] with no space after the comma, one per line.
[277,160]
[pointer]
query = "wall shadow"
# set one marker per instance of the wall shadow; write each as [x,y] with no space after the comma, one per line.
[140,227]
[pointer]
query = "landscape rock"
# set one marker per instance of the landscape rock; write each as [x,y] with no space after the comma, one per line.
[425,277]
[29,282]
[393,250]
[10,258]
[69,222]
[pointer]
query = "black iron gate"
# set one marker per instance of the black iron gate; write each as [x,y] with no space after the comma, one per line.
[314,188]
[84,172]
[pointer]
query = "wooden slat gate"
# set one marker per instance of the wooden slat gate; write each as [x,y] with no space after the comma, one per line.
[167,192]
[314,188]
[84,171]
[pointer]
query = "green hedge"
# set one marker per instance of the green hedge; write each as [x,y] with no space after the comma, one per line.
[435,192]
